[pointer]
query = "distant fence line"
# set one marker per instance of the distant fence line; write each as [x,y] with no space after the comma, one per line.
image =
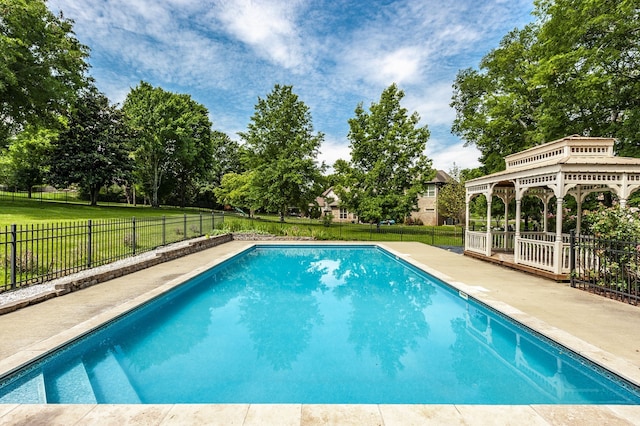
[42,195]
[32,254]
[444,236]
[607,267]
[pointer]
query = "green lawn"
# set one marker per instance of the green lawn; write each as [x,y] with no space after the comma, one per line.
[54,239]
[25,211]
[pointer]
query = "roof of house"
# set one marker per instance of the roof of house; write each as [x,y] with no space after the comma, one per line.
[441,177]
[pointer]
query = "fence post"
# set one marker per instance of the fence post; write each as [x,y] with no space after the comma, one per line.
[433,235]
[572,256]
[14,250]
[200,225]
[213,220]
[89,244]
[133,234]
[184,228]
[164,230]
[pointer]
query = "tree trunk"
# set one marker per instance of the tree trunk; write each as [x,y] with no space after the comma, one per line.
[156,185]
[94,195]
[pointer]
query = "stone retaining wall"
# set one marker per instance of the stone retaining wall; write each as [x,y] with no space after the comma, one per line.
[161,257]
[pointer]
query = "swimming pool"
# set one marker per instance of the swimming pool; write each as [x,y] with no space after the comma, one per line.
[315,325]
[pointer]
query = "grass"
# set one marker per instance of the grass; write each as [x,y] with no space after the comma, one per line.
[52,238]
[25,211]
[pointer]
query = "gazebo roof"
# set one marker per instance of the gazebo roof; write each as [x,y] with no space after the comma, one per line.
[576,154]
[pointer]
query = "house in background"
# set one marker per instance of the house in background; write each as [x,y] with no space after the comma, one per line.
[427,213]
[329,203]
[428,202]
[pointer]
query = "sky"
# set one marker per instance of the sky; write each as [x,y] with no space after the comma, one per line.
[335,53]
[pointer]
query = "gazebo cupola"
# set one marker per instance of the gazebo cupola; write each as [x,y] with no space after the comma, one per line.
[575,166]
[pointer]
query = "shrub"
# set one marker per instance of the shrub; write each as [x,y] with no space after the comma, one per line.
[613,222]
[327,219]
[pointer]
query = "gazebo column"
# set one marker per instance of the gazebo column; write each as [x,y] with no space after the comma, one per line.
[516,238]
[466,214]
[489,236]
[578,213]
[557,252]
[505,242]
[544,216]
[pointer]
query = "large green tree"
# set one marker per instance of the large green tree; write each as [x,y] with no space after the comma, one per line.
[173,138]
[42,65]
[25,162]
[93,150]
[574,70]
[496,106]
[388,167]
[282,151]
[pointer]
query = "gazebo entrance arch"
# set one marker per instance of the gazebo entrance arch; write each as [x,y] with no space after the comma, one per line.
[573,166]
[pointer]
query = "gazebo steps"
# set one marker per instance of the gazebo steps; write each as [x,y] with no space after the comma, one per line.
[506,260]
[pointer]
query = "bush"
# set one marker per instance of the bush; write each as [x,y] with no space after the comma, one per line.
[613,223]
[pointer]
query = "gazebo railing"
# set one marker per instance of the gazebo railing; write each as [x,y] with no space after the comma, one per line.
[536,253]
[501,240]
[476,241]
[540,253]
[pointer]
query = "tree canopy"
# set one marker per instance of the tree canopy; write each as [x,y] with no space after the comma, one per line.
[42,65]
[281,152]
[26,160]
[173,138]
[93,150]
[574,70]
[388,167]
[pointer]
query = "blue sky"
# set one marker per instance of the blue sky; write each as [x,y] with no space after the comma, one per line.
[335,54]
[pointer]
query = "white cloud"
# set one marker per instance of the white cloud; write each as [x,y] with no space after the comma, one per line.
[267,26]
[333,150]
[432,103]
[445,155]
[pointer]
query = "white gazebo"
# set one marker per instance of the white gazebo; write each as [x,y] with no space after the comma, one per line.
[573,166]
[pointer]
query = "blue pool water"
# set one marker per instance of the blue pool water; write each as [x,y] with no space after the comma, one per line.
[309,324]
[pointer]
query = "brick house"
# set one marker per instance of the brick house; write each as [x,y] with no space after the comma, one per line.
[428,202]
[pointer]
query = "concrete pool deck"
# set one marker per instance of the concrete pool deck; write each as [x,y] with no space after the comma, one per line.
[603,330]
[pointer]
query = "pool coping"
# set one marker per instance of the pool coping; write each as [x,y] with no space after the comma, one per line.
[309,413]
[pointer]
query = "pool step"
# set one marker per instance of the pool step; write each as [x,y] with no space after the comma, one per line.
[30,392]
[111,383]
[71,387]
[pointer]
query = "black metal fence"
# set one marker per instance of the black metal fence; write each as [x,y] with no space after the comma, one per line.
[443,236]
[31,254]
[607,267]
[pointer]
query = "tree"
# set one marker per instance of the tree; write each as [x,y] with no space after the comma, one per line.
[496,107]
[173,138]
[282,152]
[93,150]
[572,71]
[42,65]
[388,168]
[227,155]
[235,190]
[452,197]
[590,68]
[27,158]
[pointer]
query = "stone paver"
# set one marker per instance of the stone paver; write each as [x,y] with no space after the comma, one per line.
[602,329]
